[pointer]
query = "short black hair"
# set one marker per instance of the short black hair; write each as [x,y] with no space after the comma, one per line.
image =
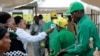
[40,16]
[4,16]
[18,19]
[3,31]
[36,17]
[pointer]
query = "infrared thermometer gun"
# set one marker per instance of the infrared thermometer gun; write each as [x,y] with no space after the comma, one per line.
[53,26]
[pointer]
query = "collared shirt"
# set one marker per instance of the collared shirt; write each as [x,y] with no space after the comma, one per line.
[26,37]
[35,28]
[85,30]
[64,39]
[52,35]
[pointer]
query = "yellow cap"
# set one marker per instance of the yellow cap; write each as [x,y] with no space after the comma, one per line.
[53,14]
[61,22]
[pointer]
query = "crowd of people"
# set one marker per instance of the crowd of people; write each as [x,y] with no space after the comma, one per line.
[75,35]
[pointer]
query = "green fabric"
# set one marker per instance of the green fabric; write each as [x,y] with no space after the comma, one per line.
[76,6]
[68,12]
[51,35]
[64,39]
[11,31]
[85,30]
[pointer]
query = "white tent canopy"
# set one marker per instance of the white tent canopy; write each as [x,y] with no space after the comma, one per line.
[44,6]
[54,5]
[60,6]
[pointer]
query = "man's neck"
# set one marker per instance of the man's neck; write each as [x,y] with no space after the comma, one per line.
[37,23]
[80,18]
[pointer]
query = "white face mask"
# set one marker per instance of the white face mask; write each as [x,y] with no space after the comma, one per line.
[10,30]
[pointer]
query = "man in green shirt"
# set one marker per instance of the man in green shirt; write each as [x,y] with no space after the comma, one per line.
[52,35]
[64,37]
[86,30]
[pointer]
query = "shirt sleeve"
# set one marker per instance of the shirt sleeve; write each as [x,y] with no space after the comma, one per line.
[97,38]
[72,46]
[83,40]
[23,35]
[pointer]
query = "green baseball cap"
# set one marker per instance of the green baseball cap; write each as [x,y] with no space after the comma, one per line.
[75,6]
[68,12]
